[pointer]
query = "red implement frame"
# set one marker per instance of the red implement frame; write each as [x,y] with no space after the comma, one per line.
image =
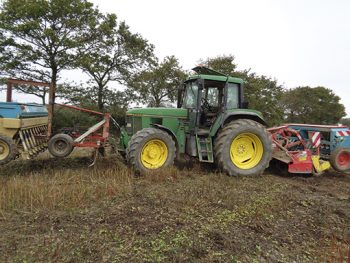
[95,136]
[298,161]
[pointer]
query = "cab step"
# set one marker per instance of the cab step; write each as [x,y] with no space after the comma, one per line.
[205,149]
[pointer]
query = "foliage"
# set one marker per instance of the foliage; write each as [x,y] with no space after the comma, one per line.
[345,121]
[116,102]
[224,64]
[40,38]
[317,105]
[158,85]
[115,54]
[64,117]
[263,93]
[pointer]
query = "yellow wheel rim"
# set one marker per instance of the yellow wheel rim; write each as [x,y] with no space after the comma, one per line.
[4,150]
[154,154]
[246,150]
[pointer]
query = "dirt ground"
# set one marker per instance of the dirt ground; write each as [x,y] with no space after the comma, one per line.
[62,211]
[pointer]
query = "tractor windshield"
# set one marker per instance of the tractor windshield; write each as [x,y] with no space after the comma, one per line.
[191,95]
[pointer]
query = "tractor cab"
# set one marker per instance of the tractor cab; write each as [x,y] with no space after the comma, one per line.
[208,95]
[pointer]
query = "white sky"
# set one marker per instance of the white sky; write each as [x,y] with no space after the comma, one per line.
[297,42]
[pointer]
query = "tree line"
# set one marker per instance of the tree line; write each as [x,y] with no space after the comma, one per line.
[40,39]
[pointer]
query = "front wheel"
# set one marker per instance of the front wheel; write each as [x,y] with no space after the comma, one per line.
[243,148]
[150,149]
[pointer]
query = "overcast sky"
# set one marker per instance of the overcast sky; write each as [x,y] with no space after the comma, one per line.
[297,42]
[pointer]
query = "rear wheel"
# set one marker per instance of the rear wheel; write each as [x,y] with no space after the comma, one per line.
[340,159]
[150,149]
[243,148]
[7,150]
[61,145]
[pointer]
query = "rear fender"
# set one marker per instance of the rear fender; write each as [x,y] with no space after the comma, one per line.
[223,119]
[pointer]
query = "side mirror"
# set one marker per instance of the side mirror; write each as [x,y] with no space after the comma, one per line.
[245,105]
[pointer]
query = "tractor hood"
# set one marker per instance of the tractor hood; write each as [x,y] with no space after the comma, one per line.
[159,112]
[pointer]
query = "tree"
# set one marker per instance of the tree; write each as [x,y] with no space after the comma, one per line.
[40,38]
[317,105]
[116,102]
[224,64]
[116,54]
[345,121]
[263,93]
[158,85]
[40,92]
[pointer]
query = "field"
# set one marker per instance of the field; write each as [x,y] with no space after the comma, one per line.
[63,211]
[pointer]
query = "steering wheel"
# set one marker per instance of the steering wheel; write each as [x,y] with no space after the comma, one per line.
[205,104]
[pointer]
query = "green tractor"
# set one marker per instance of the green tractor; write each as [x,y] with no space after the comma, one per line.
[211,122]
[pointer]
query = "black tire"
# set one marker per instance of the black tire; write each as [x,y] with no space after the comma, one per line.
[8,150]
[340,159]
[228,134]
[137,143]
[61,145]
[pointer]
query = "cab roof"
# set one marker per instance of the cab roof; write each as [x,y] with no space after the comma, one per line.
[210,74]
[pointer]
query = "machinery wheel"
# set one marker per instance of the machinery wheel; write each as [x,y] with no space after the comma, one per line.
[8,150]
[60,145]
[340,159]
[150,149]
[243,148]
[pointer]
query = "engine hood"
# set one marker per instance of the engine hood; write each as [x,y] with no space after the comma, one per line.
[159,112]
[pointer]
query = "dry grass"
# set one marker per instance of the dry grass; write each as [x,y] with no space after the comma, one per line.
[62,211]
[56,187]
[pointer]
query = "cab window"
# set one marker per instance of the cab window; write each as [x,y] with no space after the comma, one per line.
[191,95]
[213,96]
[232,96]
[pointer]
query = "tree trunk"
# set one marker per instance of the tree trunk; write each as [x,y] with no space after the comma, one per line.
[52,95]
[100,103]
[157,101]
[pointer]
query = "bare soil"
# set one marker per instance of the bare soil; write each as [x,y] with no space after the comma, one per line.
[62,211]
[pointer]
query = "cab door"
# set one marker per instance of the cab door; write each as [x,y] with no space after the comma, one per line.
[191,102]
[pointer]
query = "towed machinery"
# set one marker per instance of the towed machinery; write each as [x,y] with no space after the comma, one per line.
[23,127]
[333,143]
[308,148]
